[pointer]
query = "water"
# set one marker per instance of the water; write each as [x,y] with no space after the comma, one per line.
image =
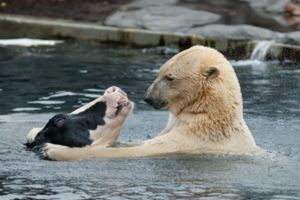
[37,82]
[41,78]
[257,57]
[260,50]
[28,42]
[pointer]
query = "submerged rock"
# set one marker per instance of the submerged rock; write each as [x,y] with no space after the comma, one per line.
[163,18]
[271,6]
[293,37]
[243,32]
[146,3]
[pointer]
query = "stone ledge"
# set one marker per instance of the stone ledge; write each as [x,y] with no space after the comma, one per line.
[12,26]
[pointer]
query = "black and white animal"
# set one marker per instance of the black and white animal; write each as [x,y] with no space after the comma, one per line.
[97,123]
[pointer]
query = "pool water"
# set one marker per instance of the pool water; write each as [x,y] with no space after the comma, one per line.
[36,82]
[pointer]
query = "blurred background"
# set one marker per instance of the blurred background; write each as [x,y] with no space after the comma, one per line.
[277,15]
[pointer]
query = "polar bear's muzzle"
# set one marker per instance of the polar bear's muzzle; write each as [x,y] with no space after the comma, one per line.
[155,103]
[154,98]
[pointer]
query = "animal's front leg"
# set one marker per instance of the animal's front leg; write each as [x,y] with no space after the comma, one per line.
[60,152]
[108,138]
[56,152]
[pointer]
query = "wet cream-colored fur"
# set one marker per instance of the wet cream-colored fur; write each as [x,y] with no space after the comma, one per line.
[206,112]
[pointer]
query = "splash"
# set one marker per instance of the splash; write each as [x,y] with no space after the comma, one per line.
[257,57]
[27,42]
[260,50]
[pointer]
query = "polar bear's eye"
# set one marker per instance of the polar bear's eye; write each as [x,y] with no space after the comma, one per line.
[169,77]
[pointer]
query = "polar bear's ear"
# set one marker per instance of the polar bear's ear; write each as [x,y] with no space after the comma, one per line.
[212,73]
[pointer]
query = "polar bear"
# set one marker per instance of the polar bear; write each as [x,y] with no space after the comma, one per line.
[200,89]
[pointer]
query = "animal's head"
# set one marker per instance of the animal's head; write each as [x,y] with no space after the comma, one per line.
[195,80]
[117,103]
[53,131]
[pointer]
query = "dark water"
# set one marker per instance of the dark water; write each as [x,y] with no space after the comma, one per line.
[48,79]
[37,82]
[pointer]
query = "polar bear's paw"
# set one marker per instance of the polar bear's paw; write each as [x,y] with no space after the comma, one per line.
[53,151]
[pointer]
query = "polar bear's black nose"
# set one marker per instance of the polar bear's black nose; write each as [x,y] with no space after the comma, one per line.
[155,103]
[149,101]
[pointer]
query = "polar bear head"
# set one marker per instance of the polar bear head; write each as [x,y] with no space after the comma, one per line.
[197,80]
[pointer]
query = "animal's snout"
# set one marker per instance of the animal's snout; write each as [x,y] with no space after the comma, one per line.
[155,102]
[148,97]
[122,92]
[111,89]
[153,97]
[115,89]
[149,100]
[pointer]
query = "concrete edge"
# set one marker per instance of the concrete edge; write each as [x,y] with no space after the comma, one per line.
[12,26]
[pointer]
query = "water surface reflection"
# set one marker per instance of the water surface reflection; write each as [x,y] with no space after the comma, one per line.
[39,81]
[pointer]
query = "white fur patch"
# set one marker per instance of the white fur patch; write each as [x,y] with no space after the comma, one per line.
[52,151]
[32,134]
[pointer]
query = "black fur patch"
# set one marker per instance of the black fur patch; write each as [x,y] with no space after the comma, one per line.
[71,130]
